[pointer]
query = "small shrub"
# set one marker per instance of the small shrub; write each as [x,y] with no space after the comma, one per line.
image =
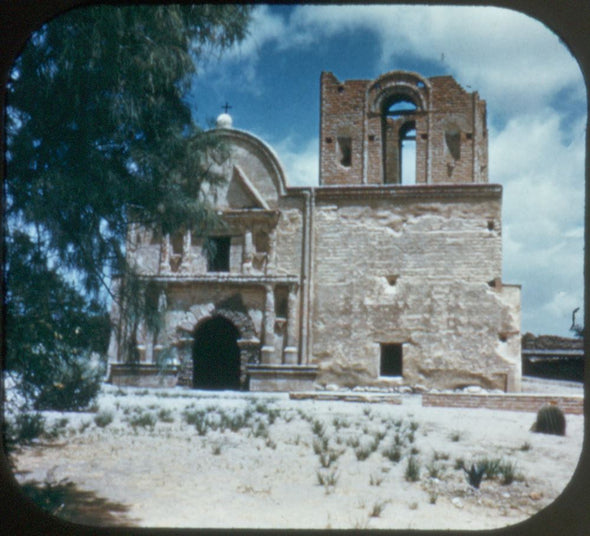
[83,426]
[165,415]
[508,472]
[353,442]
[260,430]
[379,435]
[339,422]
[375,480]
[362,452]
[393,453]
[74,386]
[491,467]
[104,418]
[475,474]
[57,429]
[143,420]
[550,420]
[526,446]
[378,508]
[327,478]
[318,428]
[412,473]
[320,445]
[198,418]
[455,437]
[459,464]
[435,469]
[328,457]
[26,427]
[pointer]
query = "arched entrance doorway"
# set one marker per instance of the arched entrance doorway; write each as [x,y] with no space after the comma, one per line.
[216,355]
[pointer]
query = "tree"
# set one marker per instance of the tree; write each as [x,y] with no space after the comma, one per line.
[99,136]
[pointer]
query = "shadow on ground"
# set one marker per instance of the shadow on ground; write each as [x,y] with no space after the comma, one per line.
[66,501]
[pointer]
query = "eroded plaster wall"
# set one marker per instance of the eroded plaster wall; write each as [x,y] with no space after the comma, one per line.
[420,271]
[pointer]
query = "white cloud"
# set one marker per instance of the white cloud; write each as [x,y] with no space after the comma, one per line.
[515,62]
[543,179]
[301,164]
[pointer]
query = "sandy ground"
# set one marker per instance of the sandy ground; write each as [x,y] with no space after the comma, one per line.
[266,473]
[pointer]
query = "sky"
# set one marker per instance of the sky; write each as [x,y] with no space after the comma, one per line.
[536,103]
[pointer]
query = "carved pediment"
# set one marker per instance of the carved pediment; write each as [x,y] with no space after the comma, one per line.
[241,193]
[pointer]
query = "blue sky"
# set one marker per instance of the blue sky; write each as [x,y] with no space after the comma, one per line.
[536,115]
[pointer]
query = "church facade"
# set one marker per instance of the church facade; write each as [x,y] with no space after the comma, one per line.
[387,273]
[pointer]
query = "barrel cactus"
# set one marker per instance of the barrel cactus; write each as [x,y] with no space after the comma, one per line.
[550,420]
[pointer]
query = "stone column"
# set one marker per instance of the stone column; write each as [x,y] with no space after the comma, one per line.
[247,253]
[268,348]
[270,256]
[186,252]
[290,351]
[165,254]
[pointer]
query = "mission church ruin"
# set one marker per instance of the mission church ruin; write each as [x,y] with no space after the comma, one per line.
[363,280]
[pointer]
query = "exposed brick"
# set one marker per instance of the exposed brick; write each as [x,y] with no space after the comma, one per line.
[510,402]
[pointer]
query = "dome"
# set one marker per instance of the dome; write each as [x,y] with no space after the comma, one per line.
[224,121]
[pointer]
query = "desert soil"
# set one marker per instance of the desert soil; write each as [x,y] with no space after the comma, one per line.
[266,473]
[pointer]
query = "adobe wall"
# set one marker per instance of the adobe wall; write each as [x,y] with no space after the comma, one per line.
[450,123]
[418,267]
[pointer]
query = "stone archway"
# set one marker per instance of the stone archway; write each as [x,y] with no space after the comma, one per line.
[216,355]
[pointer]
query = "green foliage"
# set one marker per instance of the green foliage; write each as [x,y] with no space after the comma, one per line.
[52,330]
[393,453]
[165,415]
[378,508]
[143,420]
[75,385]
[198,418]
[99,136]
[475,474]
[489,468]
[26,427]
[550,420]
[328,478]
[104,418]
[412,473]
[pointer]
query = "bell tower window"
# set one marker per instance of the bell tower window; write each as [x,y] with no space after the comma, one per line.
[399,140]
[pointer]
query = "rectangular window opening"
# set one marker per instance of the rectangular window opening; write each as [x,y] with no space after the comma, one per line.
[345,147]
[217,250]
[391,359]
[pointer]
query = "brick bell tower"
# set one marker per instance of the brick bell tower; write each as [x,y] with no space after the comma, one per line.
[401,129]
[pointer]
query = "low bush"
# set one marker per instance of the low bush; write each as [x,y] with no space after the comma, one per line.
[393,453]
[475,474]
[26,427]
[74,386]
[327,478]
[412,473]
[378,508]
[143,420]
[165,415]
[104,418]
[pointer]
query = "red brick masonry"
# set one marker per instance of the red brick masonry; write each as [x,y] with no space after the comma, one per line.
[513,402]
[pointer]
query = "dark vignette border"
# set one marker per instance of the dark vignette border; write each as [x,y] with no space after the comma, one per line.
[569,514]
